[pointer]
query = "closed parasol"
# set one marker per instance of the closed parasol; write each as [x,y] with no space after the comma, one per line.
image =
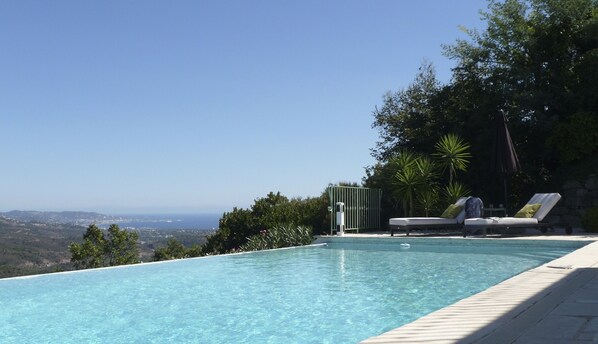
[505,162]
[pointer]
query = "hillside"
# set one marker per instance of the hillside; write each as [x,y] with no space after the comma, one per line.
[32,248]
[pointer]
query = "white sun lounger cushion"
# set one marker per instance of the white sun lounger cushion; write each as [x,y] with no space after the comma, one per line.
[422,221]
[501,221]
[431,221]
[548,201]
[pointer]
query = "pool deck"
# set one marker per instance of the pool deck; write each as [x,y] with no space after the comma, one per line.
[554,303]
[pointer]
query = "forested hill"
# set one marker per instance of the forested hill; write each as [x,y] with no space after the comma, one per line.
[64,217]
[34,247]
[31,248]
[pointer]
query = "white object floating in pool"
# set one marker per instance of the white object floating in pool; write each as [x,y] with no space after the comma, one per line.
[405,246]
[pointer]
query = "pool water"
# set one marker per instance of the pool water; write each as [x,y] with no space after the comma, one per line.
[343,292]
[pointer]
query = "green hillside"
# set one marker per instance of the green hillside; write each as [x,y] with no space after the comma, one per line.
[32,248]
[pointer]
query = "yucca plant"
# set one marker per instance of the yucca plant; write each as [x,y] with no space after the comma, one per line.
[407,181]
[428,199]
[405,178]
[427,169]
[426,193]
[404,160]
[453,191]
[453,154]
[416,178]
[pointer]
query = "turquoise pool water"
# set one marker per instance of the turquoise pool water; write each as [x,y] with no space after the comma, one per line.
[344,292]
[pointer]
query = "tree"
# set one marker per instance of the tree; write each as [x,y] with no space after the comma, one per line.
[98,251]
[381,176]
[121,246]
[407,120]
[535,60]
[538,61]
[90,254]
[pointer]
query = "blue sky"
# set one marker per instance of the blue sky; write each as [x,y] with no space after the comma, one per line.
[199,106]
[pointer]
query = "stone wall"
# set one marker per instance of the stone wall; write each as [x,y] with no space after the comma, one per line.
[577,198]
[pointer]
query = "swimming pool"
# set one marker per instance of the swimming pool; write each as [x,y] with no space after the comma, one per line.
[344,292]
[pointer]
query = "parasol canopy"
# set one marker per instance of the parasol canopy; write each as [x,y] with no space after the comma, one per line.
[505,161]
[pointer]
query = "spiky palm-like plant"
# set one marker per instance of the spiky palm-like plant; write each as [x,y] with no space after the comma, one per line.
[453,154]
[404,160]
[427,200]
[407,181]
[427,191]
[453,191]
[428,171]
[417,176]
[405,178]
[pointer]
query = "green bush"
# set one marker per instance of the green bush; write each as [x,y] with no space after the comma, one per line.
[176,250]
[590,220]
[278,237]
[173,250]
[274,210]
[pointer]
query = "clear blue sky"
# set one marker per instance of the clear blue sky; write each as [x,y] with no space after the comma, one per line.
[199,106]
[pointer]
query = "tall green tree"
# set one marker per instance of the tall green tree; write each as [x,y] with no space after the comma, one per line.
[121,246]
[381,176]
[535,59]
[118,248]
[407,118]
[89,254]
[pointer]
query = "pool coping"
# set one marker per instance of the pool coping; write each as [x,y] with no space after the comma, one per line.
[526,308]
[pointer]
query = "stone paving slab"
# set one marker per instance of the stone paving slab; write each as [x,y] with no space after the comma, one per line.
[547,304]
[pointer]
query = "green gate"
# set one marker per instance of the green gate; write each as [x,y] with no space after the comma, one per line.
[362,207]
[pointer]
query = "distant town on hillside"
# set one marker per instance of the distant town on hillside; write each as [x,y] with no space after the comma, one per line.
[80,218]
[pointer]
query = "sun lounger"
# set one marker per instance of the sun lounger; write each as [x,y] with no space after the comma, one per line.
[546,201]
[409,223]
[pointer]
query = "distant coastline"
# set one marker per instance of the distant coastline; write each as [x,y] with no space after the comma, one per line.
[166,221]
[201,221]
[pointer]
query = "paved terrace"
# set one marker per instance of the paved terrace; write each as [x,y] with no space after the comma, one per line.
[553,303]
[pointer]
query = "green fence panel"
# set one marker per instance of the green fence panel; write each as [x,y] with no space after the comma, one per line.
[362,207]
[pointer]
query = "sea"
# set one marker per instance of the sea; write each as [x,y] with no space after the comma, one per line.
[166,221]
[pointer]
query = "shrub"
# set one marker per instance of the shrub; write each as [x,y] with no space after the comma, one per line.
[278,237]
[589,222]
[268,212]
[176,250]
[173,250]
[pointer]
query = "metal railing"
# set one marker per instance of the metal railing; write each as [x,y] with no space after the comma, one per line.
[362,207]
